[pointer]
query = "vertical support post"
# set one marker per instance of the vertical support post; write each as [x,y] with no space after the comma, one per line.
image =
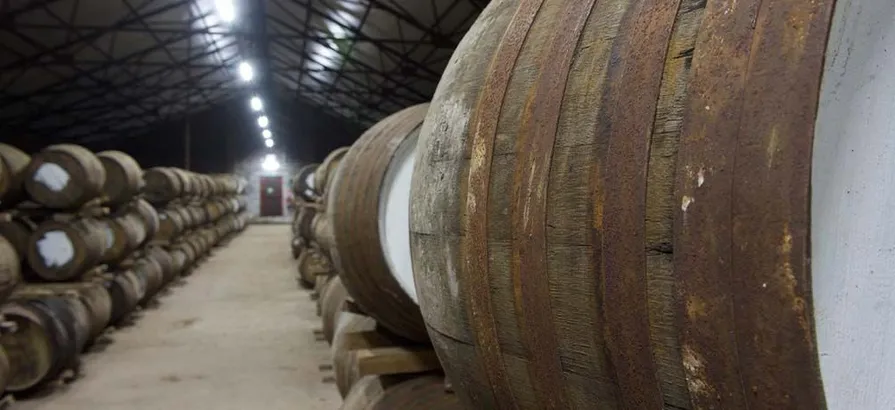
[186,143]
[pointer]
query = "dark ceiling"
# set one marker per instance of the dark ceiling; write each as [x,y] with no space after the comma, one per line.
[90,70]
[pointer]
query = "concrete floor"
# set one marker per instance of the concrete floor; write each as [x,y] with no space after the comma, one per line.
[237,335]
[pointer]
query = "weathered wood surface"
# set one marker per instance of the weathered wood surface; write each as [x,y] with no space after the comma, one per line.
[123,177]
[15,164]
[416,393]
[354,213]
[64,176]
[610,205]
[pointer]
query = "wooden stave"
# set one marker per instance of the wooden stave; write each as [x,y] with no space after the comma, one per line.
[17,231]
[5,369]
[795,385]
[125,294]
[16,162]
[353,210]
[98,302]
[5,179]
[32,334]
[152,275]
[86,177]
[300,186]
[166,262]
[324,173]
[171,225]
[305,276]
[124,177]
[128,233]
[161,185]
[88,242]
[81,320]
[332,302]
[61,336]
[10,269]
[148,214]
[419,393]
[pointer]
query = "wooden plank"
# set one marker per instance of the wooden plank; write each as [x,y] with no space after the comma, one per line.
[395,360]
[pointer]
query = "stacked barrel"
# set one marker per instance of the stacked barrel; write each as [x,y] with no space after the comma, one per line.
[310,187]
[76,228]
[195,211]
[355,218]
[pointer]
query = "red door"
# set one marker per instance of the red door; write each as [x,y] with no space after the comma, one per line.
[272,196]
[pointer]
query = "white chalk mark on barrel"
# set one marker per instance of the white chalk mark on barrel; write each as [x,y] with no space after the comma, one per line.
[56,249]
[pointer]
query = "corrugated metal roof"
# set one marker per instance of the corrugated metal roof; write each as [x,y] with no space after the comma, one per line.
[95,69]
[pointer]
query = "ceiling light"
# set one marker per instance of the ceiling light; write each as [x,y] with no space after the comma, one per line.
[263,122]
[246,71]
[256,104]
[269,143]
[266,134]
[270,163]
[225,9]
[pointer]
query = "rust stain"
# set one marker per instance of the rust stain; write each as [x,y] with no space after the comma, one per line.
[790,284]
[696,308]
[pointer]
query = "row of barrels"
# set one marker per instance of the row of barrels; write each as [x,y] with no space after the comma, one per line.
[92,248]
[66,177]
[357,276]
[610,204]
[165,184]
[53,323]
[60,249]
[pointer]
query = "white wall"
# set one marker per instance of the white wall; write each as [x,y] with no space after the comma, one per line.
[251,170]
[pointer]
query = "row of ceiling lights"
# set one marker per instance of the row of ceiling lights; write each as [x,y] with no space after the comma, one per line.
[227,13]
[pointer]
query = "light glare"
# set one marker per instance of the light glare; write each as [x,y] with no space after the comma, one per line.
[225,9]
[246,71]
[269,143]
[266,134]
[256,103]
[263,122]
[270,163]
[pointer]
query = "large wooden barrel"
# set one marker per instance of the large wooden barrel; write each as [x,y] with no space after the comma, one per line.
[16,167]
[64,176]
[332,302]
[152,275]
[303,182]
[640,205]
[148,214]
[92,313]
[126,234]
[98,303]
[59,251]
[171,224]
[10,268]
[162,185]
[304,222]
[327,169]
[126,290]
[5,371]
[123,177]
[18,232]
[44,343]
[179,260]
[166,262]
[426,392]
[368,209]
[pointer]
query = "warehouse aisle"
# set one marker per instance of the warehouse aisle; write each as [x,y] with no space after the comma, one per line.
[237,335]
